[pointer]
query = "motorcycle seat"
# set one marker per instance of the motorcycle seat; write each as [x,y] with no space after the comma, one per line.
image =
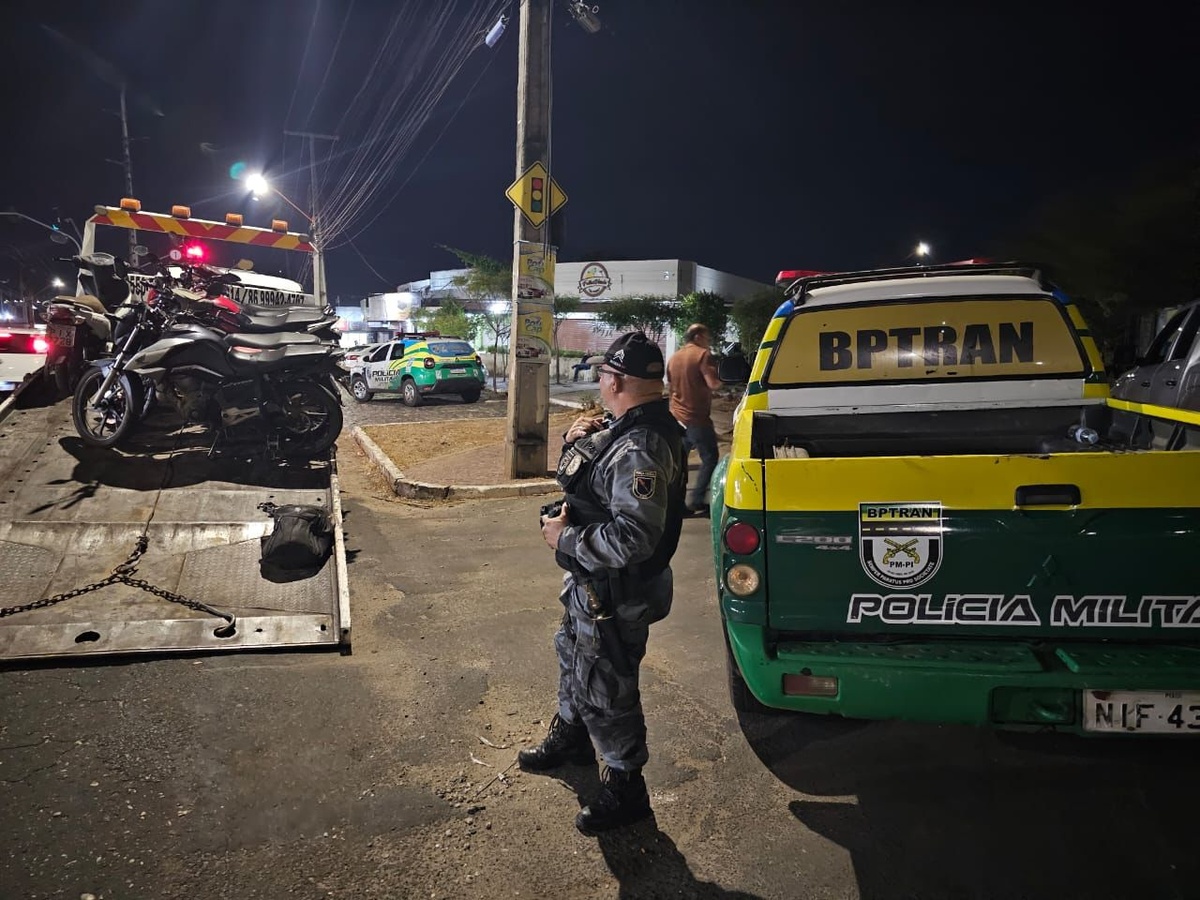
[85,300]
[271,339]
[295,315]
[254,361]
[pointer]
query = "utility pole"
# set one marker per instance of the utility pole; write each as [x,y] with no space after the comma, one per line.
[319,295]
[128,168]
[525,439]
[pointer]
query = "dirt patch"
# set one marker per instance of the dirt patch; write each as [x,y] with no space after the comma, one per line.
[471,451]
[456,451]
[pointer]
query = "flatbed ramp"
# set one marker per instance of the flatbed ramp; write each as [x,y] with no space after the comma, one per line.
[70,515]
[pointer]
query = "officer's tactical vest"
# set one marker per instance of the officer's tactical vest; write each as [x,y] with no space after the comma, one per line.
[574,474]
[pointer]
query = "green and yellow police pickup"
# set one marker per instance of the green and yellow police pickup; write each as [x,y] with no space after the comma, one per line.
[933,511]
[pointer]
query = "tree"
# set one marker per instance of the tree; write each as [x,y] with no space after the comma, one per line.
[1120,252]
[705,308]
[653,315]
[562,306]
[449,319]
[488,283]
[751,315]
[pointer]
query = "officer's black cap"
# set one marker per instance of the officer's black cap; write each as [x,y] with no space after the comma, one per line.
[636,355]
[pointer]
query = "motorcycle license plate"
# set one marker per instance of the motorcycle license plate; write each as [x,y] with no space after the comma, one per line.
[63,335]
[1142,712]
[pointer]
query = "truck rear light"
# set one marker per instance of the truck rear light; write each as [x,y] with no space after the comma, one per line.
[741,537]
[429,363]
[810,685]
[742,580]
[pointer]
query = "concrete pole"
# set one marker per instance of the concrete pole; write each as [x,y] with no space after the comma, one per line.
[525,439]
[318,255]
[318,260]
[128,170]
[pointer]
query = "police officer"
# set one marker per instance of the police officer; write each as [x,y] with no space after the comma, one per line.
[624,480]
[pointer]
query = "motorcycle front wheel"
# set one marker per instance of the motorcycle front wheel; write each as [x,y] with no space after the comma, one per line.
[104,421]
[310,420]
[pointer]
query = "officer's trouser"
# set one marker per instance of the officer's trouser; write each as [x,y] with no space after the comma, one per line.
[591,690]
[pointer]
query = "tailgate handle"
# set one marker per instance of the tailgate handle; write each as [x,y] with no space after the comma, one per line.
[1048,495]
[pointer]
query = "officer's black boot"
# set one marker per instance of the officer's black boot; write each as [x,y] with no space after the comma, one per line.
[622,800]
[565,743]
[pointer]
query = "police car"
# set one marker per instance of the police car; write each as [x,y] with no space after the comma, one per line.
[418,365]
[932,510]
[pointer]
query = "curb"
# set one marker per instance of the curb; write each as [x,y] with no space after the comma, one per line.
[570,404]
[421,490]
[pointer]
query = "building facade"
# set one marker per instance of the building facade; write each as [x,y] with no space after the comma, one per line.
[594,282]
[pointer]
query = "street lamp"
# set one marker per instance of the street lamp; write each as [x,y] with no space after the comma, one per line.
[923,250]
[259,186]
[56,234]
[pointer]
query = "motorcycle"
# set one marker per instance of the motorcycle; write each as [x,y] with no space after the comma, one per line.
[283,384]
[224,313]
[80,328]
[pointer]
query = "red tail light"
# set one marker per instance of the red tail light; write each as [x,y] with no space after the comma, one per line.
[39,345]
[429,363]
[741,537]
[226,304]
[151,296]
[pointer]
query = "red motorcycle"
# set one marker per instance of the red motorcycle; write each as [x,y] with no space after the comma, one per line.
[206,289]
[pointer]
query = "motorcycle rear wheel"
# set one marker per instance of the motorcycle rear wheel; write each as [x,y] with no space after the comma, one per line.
[310,421]
[110,420]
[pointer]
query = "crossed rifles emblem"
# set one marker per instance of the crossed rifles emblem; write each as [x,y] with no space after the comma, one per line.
[897,548]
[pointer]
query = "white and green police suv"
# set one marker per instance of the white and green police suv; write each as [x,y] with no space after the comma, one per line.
[932,511]
[417,365]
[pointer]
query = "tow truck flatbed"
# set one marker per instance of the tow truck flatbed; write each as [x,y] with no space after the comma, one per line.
[69,514]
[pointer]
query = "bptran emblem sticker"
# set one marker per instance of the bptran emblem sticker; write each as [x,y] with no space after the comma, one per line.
[900,544]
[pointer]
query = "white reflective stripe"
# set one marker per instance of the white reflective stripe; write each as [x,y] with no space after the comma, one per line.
[910,396]
[907,290]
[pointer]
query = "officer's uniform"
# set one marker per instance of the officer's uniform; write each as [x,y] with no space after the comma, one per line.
[625,489]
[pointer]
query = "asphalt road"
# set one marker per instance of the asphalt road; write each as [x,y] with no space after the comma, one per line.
[378,774]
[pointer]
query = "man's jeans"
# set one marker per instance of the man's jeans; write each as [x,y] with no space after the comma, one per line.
[704,439]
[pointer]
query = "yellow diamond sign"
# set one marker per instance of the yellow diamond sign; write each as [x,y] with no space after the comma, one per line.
[536,195]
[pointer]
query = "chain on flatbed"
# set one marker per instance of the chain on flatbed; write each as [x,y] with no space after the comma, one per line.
[123,573]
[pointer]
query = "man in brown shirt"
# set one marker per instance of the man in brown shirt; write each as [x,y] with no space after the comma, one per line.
[692,374]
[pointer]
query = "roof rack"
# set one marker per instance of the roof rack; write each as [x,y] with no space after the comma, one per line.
[801,287]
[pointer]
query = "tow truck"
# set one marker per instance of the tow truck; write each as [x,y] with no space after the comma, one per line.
[104,553]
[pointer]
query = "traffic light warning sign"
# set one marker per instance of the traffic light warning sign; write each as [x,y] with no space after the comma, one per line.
[536,195]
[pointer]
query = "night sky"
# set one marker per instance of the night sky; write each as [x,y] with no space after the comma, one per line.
[746,135]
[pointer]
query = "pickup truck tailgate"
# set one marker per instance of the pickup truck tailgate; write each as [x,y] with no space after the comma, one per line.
[1099,545]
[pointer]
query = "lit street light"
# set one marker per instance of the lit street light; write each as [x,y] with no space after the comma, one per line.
[923,250]
[58,283]
[259,186]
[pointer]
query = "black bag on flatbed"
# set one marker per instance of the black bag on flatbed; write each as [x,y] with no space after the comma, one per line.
[299,543]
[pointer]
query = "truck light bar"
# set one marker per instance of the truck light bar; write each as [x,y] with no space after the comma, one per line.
[799,289]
